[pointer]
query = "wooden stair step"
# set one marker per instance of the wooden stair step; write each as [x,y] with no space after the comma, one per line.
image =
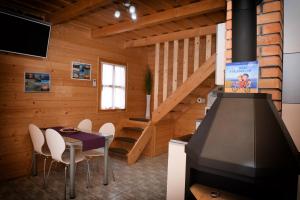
[134,123]
[139,119]
[125,139]
[120,152]
[130,128]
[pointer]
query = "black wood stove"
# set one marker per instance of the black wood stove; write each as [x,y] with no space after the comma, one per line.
[242,146]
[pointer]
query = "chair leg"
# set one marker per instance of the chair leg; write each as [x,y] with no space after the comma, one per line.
[45,181]
[97,163]
[55,166]
[88,174]
[112,171]
[66,169]
[52,161]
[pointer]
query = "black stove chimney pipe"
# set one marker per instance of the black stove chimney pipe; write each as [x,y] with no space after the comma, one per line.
[244,30]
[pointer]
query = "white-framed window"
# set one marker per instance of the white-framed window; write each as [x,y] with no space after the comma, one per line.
[113,86]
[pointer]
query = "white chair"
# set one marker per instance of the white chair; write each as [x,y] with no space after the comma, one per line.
[57,148]
[39,147]
[106,129]
[85,125]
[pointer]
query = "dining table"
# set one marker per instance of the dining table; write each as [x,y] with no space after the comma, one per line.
[79,139]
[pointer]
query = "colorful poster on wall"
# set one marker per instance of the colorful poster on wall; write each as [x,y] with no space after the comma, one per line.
[37,82]
[81,71]
[242,77]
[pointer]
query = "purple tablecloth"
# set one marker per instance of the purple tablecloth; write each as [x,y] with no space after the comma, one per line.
[89,141]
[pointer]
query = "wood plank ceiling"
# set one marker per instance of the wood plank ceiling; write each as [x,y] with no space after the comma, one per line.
[97,15]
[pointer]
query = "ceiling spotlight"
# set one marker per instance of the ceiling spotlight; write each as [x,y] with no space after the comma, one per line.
[117,14]
[133,16]
[126,3]
[132,9]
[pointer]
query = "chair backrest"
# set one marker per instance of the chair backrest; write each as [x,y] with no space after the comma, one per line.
[56,144]
[85,125]
[37,138]
[108,129]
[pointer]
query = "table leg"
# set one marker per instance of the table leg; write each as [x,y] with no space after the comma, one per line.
[106,160]
[34,167]
[72,172]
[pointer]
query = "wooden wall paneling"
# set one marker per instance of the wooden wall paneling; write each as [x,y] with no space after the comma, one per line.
[185,124]
[68,101]
[196,52]
[166,66]
[208,46]
[156,76]
[164,132]
[175,65]
[185,59]
[180,63]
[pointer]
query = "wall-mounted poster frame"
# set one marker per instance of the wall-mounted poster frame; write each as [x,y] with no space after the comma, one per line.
[242,77]
[81,71]
[37,82]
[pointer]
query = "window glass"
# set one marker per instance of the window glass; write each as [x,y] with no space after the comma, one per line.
[107,74]
[119,98]
[106,98]
[113,87]
[120,76]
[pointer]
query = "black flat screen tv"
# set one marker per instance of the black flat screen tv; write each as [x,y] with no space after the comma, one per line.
[23,36]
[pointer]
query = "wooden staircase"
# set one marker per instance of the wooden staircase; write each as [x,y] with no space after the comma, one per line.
[177,100]
[132,138]
[171,97]
[135,133]
[186,104]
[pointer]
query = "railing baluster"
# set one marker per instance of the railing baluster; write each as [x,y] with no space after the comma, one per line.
[175,65]
[196,52]
[165,75]
[185,59]
[156,76]
[208,46]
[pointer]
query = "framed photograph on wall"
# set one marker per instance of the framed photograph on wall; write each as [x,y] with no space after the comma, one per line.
[36,82]
[81,71]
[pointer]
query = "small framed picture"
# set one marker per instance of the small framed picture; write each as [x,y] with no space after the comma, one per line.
[81,71]
[242,77]
[36,82]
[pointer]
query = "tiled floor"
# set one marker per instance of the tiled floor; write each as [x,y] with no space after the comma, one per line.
[144,180]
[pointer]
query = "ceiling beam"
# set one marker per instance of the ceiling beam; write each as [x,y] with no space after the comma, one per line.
[74,10]
[202,7]
[171,36]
